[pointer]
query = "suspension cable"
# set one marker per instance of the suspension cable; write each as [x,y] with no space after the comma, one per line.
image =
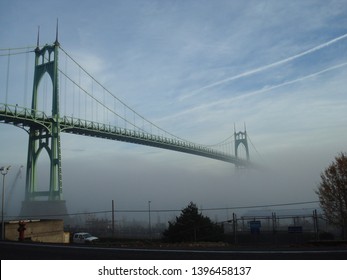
[18,51]
[10,51]
[249,138]
[18,48]
[120,101]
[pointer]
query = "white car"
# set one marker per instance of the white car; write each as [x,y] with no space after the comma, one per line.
[84,238]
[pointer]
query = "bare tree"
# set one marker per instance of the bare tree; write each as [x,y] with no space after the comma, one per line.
[332,192]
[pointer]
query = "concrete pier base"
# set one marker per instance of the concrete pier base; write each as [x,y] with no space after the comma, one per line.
[54,209]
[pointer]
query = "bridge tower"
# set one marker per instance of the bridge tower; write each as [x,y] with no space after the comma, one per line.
[45,139]
[241,138]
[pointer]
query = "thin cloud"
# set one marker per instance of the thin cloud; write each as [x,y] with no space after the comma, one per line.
[285,83]
[253,93]
[263,68]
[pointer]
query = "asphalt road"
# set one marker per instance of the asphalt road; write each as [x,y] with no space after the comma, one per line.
[35,251]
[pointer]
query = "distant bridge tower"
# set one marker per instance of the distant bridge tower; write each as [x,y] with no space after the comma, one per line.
[241,138]
[45,138]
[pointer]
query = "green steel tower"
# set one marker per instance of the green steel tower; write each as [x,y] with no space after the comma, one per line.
[45,138]
[241,138]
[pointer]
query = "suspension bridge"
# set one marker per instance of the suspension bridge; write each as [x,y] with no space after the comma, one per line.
[89,109]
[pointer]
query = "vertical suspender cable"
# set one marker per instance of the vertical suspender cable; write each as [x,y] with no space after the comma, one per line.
[134,124]
[79,95]
[92,101]
[26,68]
[65,88]
[125,117]
[104,102]
[73,111]
[8,75]
[114,110]
[73,102]
[96,108]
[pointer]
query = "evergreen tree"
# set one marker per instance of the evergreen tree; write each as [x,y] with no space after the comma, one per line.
[192,226]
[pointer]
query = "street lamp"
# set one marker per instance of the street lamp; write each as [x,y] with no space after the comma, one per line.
[3,171]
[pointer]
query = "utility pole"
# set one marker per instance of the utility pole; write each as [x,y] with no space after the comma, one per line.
[112,218]
[234,227]
[3,171]
[149,220]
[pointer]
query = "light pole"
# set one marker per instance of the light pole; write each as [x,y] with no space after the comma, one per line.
[3,171]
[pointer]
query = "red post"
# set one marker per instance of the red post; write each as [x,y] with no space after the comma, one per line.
[21,230]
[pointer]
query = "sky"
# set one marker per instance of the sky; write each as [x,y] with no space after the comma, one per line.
[197,69]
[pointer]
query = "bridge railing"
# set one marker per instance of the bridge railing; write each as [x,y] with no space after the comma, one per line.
[19,112]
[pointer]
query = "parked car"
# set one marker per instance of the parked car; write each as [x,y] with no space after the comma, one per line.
[84,238]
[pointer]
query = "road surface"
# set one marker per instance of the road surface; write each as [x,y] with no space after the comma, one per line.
[38,251]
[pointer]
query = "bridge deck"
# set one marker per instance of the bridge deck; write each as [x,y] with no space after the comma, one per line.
[26,118]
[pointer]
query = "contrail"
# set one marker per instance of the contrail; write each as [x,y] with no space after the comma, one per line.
[287,83]
[253,93]
[321,46]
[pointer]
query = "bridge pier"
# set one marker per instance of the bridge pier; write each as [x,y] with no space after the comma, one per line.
[51,209]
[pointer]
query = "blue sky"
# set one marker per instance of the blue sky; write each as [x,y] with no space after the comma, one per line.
[196,68]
